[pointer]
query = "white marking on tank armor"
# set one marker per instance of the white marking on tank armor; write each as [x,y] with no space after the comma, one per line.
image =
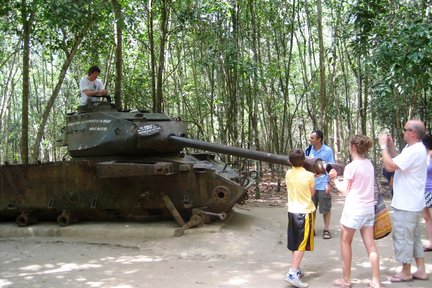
[104,121]
[98,128]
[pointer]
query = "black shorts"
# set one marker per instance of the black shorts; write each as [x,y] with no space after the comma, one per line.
[300,231]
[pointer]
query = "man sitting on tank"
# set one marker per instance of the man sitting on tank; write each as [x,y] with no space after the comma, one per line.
[91,88]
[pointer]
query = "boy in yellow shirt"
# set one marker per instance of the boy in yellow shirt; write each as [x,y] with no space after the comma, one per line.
[301,219]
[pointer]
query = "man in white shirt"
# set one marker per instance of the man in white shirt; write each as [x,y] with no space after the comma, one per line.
[408,198]
[91,88]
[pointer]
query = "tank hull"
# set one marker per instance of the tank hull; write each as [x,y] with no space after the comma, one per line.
[121,189]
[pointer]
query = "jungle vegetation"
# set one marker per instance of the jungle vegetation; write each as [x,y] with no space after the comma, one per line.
[258,74]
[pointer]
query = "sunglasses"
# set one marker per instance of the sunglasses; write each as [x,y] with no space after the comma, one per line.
[408,129]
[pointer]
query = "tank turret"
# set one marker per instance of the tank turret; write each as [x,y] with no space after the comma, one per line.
[104,131]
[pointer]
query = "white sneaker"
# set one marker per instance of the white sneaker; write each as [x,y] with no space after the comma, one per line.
[300,273]
[295,281]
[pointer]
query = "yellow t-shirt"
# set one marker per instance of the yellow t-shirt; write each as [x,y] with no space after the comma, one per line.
[298,182]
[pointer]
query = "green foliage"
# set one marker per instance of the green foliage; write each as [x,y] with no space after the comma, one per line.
[393,41]
[229,65]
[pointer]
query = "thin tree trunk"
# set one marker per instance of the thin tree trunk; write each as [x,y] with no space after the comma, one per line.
[118,24]
[359,87]
[27,25]
[152,52]
[309,64]
[232,81]
[323,96]
[6,107]
[363,109]
[161,64]
[287,118]
[253,134]
[53,97]
[344,51]
[4,101]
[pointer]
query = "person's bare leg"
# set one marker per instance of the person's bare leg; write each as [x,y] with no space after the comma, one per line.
[368,240]
[293,276]
[428,225]
[327,218]
[296,259]
[405,273]
[406,269]
[421,269]
[346,238]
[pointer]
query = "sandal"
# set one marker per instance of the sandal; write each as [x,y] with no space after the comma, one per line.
[397,279]
[340,283]
[326,234]
[423,276]
[372,285]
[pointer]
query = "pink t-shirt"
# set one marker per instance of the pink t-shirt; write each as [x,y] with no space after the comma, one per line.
[361,195]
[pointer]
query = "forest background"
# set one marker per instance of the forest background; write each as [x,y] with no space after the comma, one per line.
[258,74]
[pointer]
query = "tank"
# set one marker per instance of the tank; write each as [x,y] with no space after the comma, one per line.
[130,165]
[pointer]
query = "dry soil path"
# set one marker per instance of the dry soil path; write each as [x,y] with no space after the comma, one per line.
[248,250]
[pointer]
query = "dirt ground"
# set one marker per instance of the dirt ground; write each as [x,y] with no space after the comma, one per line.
[247,250]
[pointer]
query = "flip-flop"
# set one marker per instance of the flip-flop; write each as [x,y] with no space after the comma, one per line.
[419,278]
[326,234]
[374,284]
[339,283]
[397,279]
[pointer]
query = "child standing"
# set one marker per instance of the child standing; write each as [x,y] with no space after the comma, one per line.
[358,211]
[301,220]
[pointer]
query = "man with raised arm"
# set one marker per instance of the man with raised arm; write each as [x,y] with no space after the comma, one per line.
[408,198]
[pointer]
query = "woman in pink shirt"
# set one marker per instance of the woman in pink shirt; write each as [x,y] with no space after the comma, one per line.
[358,213]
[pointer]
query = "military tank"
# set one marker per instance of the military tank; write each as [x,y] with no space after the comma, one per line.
[129,165]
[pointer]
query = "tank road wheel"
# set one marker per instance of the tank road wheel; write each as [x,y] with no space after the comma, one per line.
[25,219]
[66,218]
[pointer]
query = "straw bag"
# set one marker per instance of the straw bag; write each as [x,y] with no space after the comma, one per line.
[383,224]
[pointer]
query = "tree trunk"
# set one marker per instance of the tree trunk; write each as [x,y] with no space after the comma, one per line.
[363,109]
[53,97]
[152,52]
[161,64]
[323,96]
[359,87]
[309,64]
[232,80]
[5,99]
[27,25]
[118,25]
[253,130]
[287,116]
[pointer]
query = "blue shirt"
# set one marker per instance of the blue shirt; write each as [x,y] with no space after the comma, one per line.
[325,153]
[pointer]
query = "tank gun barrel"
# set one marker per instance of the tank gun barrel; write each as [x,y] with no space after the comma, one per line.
[314,165]
[225,149]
